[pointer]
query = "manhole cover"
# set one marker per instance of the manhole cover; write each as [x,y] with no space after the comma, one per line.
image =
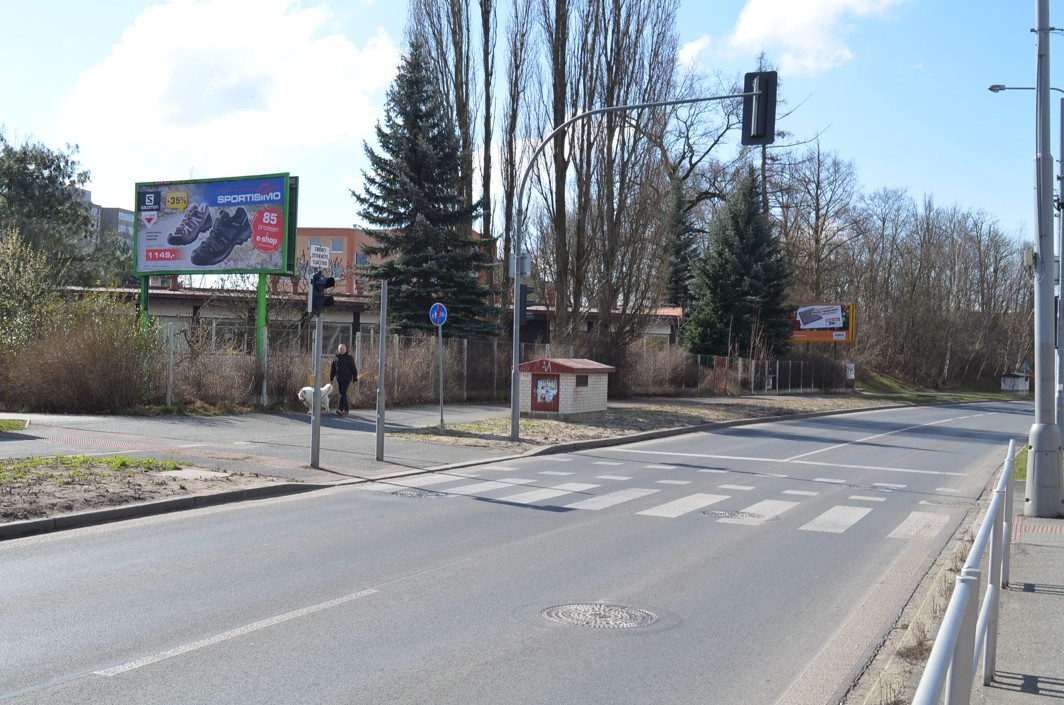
[600,615]
[417,493]
[723,514]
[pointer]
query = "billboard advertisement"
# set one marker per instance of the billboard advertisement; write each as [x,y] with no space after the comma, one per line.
[830,323]
[233,225]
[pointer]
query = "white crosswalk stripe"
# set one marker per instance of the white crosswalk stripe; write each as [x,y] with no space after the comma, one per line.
[611,499]
[920,524]
[679,507]
[548,493]
[837,519]
[761,512]
[487,486]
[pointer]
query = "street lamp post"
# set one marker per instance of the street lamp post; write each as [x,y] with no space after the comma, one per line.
[997,88]
[515,379]
[1043,497]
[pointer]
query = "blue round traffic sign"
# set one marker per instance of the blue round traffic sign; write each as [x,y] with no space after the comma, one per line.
[438,314]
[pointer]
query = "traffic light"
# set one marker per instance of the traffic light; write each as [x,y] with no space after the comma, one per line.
[759,109]
[526,297]
[318,298]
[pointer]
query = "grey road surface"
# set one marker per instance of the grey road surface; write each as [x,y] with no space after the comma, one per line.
[756,564]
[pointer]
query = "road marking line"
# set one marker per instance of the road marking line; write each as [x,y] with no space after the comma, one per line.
[487,486]
[504,468]
[671,510]
[765,510]
[925,524]
[605,462]
[861,498]
[706,456]
[836,520]
[714,471]
[803,493]
[661,467]
[672,482]
[231,634]
[609,500]
[744,488]
[555,458]
[830,480]
[551,493]
[621,478]
[869,438]
[559,473]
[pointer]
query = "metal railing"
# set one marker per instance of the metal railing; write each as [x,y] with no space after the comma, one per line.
[966,629]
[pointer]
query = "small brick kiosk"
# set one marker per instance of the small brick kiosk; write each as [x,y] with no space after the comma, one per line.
[563,388]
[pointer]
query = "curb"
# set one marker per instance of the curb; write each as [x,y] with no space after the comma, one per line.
[79,520]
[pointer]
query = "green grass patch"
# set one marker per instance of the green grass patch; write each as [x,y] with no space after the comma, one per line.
[12,425]
[1019,469]
[76,468]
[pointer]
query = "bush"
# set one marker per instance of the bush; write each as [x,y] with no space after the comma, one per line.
[91,355]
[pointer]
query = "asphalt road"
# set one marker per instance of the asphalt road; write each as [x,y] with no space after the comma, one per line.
[758,564]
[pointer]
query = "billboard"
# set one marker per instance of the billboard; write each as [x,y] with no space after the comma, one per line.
[235,225]
[830,323]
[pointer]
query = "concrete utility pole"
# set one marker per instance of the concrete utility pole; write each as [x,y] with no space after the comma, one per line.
[1043,497]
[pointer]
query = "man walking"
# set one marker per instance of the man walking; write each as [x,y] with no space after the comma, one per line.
[343,370]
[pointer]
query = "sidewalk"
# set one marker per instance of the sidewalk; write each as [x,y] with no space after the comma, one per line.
[1030,650]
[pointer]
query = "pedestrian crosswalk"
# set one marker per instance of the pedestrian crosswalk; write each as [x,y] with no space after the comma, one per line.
[658,498]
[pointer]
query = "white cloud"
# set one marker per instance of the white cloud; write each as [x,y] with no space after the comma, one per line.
[806,35]
[226,88]
[690,54]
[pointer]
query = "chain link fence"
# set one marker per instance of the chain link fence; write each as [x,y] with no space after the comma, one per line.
[216,364]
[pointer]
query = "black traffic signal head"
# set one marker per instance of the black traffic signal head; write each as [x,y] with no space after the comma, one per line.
[318,298]
[759,109]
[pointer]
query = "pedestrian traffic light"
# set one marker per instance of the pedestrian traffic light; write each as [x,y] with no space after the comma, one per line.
[759,108]
[318,298]
[523,313]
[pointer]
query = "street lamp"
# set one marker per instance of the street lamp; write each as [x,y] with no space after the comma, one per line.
[515,379]
[1043,497]
[998,88]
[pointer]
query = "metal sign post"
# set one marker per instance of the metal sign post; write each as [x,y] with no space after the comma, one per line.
[381,332]
[438,316]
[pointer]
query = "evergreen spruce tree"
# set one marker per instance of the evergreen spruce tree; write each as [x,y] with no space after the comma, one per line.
[684,255]
[742,283]
[411,198]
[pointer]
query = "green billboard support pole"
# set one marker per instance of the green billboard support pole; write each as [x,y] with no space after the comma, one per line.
[143,305]
[260,335]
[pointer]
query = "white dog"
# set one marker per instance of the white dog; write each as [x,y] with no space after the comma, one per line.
[306,395]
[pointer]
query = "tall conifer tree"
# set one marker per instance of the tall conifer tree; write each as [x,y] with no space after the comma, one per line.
[412,199]
[742,283]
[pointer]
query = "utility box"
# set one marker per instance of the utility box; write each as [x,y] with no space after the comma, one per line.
[1015,382]
[563,388]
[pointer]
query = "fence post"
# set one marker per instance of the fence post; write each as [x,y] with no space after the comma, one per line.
[961,671]
[395,371]
[1006,529]
[358,361]
[993,587]
[169,364]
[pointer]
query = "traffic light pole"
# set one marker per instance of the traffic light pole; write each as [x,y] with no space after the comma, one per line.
[315,424]
[519,225]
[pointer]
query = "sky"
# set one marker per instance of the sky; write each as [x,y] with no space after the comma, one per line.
[169,90]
